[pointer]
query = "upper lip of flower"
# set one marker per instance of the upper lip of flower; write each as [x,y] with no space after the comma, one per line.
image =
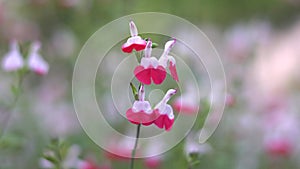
[163,103]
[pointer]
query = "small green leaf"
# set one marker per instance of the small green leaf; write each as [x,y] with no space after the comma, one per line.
[134,91]
[14,90]
[154,45]
[51,159]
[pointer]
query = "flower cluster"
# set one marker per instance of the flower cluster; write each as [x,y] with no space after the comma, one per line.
[14,61]
[151,70]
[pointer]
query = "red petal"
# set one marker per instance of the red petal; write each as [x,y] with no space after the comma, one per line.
[163,121]
[127,48]
[159,122]
[173,71]
[143,75]
[139,47]
[158,75]
[168,123]
[139,117]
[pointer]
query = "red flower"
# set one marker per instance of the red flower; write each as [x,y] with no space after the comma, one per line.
[164,112]
[135,41]
[141,112]
[154,70]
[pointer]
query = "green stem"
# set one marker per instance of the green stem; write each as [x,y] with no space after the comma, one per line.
[135,146]
[136,97]
[16,95]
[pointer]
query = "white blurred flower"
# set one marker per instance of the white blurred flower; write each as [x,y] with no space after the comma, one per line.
[72,160]
[13,60]
[35,62]
[192,146]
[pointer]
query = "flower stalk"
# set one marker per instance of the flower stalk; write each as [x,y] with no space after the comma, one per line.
[135,146]
[137,96]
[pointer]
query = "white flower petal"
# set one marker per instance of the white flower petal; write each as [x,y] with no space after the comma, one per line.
[133,29]
[142,106]
[13,60]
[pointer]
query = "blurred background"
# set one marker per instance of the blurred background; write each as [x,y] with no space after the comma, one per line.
[258,42]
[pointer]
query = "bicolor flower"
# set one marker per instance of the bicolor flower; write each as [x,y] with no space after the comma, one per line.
[164,112]
[166,58]
[35,62]
[141,111]
[188,102]
[13,60]
[154,70]
[135,41]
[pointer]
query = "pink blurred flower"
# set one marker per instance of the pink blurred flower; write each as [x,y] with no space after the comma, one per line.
[153,152]
[120,149]
[230,100]
[88,164]
[279,147]
[135,41]
[35,62]
[154,70]
[153,162]
[188,102]
[281,132]
[13,60]
[164,112]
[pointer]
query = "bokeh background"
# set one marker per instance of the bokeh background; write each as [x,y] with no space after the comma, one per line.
[258,42]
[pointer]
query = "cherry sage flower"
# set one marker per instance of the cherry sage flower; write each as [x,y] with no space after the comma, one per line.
[164,112]
[154,70]
[165,58]
[13,60]
[135,41]
[141,112]
[35,62]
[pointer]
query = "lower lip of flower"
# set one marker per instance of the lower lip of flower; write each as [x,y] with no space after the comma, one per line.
[146,75]
[140,117]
